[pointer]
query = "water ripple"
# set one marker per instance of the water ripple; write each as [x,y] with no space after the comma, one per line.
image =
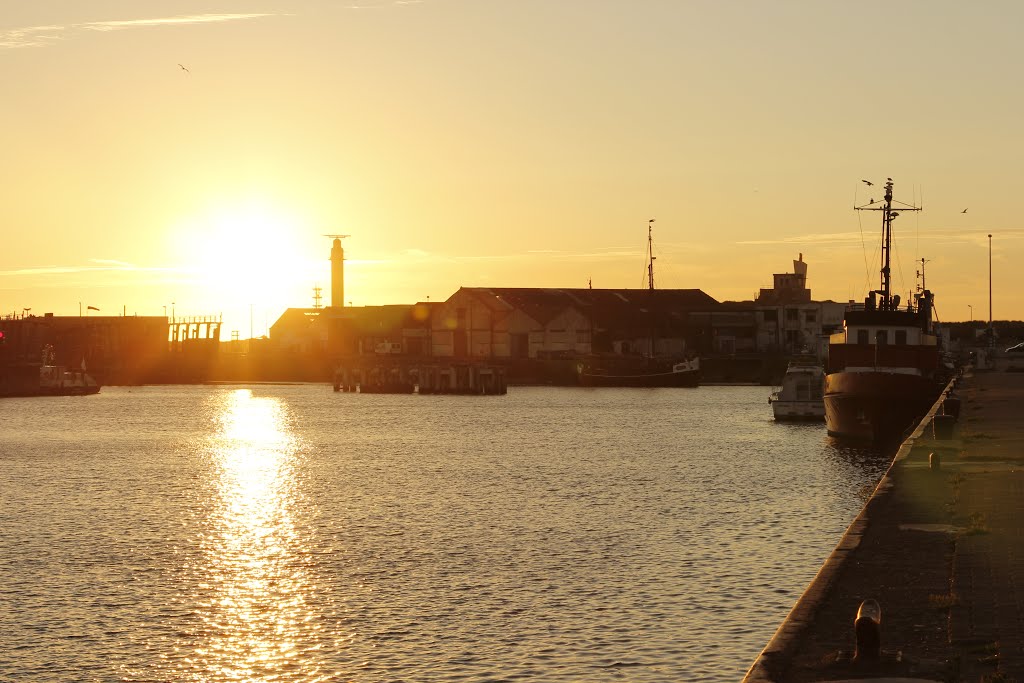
[293,534]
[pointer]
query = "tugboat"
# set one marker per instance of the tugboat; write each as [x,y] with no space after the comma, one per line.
[652,372]
[884,369]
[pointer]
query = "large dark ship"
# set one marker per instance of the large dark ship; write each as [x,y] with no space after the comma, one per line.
[884,369]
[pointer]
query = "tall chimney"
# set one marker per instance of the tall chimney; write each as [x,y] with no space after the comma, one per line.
[337,274]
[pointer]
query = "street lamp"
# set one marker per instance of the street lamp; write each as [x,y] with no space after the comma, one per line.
[972,312]
[990,283]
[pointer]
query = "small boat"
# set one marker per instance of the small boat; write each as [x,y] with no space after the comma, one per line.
[58,380]
[800,396]
[884,368]
[46,379]
[650,371]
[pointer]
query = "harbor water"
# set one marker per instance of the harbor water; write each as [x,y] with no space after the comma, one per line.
[290,533]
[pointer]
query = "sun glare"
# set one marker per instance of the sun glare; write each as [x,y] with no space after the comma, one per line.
[249,252]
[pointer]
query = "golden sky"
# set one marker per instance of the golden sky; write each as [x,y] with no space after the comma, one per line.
[194,153]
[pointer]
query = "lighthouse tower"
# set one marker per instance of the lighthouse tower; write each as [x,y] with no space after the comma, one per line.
[337,271]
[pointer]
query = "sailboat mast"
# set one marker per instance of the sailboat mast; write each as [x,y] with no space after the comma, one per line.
[650,256]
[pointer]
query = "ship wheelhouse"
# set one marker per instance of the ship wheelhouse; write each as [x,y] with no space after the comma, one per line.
[890,341]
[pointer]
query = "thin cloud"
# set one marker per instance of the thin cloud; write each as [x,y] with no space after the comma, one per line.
[30,36]
[933,235]
[420,256]
[166,21]
[813,238]
[370,4]
[42,36]
[106,267]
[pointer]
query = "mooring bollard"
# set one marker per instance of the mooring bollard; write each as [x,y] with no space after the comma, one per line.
[934,461]
[868,630]
[942,426]
[951,406]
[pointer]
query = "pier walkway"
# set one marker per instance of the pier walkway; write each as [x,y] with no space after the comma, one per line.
[940,546]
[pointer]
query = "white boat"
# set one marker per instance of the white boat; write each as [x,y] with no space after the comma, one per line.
[57,380]
[800,397]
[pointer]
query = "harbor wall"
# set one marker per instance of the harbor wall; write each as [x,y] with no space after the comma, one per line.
[772,663]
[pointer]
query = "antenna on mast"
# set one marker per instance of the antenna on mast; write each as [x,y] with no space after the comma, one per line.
[889,213]
[921,287]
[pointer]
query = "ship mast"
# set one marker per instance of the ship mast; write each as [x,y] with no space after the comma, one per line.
[650,256]
[888,214]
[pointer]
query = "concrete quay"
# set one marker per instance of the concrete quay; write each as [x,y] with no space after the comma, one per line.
[939,545]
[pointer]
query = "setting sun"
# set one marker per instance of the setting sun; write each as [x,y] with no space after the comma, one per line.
[250,252]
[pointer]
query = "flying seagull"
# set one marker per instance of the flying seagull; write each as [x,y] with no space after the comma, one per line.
[184,69]
[867,182]
[964,211]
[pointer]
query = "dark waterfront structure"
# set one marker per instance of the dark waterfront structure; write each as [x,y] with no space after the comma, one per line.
[115,349]
[405,376]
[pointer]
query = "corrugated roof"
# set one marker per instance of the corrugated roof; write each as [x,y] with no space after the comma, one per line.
[609,308]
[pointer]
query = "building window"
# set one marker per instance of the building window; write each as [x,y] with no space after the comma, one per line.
[882,337]
[582,336]
[901,338]
[862,337]
[810,316]
[770,316]
[792,314]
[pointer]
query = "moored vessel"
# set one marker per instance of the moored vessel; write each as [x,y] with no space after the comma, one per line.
[884,369]
[46,379]
[683,374]
[649,371]
[800,396]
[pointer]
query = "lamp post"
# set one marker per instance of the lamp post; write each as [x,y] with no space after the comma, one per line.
[990,283]
[972,312]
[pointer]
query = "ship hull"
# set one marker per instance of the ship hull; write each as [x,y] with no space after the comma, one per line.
[798,411]
[876,406]
[688,378]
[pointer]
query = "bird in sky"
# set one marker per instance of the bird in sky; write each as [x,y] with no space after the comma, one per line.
[867,182]
[184,69]
[964,211]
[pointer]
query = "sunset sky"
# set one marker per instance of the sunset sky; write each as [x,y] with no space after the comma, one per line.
[191,155]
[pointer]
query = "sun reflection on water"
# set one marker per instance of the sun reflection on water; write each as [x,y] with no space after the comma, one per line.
[256,577]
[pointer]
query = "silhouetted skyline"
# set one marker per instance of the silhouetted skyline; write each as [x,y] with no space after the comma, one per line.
[160,152]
